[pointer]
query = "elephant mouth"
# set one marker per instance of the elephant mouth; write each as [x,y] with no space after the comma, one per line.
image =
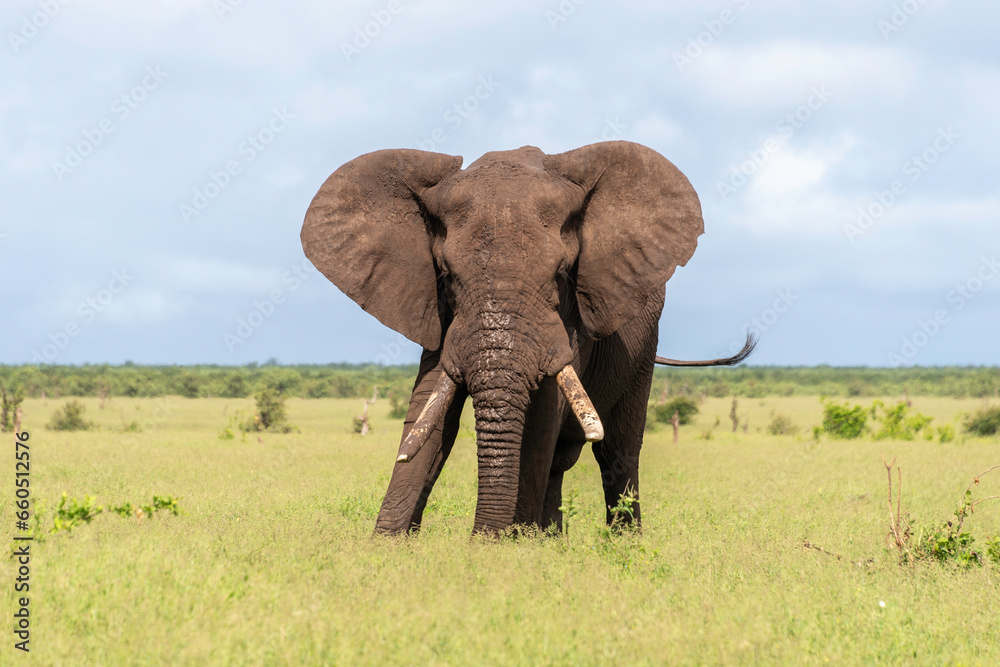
[444,392]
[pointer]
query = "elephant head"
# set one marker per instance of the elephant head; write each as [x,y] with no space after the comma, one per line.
[501,265]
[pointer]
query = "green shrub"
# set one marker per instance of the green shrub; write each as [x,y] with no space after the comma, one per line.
[69,418]
[270,414]
[897,424]
[986,422]
[399,408]
[782,425]
[843,421]
[946,433]
[685,407]
[236,387]
[10,400]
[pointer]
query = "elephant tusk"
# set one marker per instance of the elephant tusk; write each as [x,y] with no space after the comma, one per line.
[429,418]
[584,410]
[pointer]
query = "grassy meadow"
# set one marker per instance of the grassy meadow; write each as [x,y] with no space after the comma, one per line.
[273,562]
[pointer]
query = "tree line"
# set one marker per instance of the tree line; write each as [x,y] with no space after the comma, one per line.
[357,381]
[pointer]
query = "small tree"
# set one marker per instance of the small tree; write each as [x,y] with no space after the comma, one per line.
[270,414]
[69,418]
[685,407]
[10,402]
[843,421]
[986,422]
[781,425]
[897,424]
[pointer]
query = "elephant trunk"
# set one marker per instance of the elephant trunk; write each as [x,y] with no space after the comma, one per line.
[500,399]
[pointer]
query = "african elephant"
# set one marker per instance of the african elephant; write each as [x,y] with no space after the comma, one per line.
[534,284]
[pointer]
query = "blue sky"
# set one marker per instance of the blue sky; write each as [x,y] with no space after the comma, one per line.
[157,159]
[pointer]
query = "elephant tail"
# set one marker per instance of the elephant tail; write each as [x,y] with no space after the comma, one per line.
[747,350]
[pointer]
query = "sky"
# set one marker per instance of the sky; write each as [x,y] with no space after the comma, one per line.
[157,159]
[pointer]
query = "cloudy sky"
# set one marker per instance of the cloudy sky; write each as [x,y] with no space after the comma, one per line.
[156,160]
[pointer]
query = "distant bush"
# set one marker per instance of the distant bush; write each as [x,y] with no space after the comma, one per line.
[986,422]
[945,433]
[896,423]
[782,425]
[69,418]
[270,414]
[10,400]
[685,407]
[843,421]
[718,389]
[236,387]
[132,427]
[399,408]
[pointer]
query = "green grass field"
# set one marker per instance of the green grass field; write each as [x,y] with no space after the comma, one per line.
[273,560]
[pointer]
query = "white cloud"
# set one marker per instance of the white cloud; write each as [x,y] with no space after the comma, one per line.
[780,73]
[205,275]
[321,104]
[791,192]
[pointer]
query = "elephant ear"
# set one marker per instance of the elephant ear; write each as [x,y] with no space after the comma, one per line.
[641,219]
[365,230]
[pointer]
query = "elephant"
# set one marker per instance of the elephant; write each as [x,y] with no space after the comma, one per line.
[534,284]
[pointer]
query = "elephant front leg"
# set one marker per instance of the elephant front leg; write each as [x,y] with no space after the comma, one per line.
[618,454]
[412,481]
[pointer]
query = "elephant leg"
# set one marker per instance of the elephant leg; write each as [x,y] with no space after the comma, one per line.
[567,453]
[632,347]
[446,435]
[405,499]
[538,442]
[618,454]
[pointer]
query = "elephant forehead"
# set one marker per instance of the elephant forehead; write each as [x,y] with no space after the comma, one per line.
[529,156]
[499,191]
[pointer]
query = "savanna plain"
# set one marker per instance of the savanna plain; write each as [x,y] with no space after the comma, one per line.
[272,560]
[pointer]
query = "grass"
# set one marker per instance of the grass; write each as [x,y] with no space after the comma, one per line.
[272,561]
